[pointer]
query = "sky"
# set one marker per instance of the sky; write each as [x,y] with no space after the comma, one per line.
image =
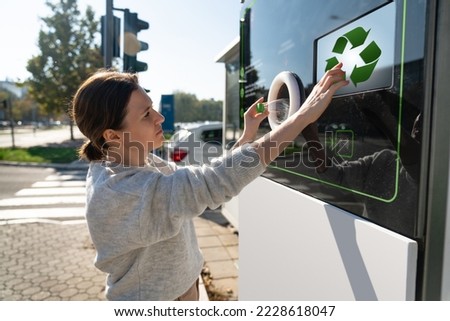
[185,38]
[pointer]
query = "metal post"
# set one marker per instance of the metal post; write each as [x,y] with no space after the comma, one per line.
[11,121]
[108,34]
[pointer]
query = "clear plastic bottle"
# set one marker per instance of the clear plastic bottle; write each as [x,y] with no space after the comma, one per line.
[278,111]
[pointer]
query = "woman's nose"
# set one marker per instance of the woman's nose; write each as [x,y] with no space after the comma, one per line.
[160,118]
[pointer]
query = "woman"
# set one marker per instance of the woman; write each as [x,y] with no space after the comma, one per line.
[140,208]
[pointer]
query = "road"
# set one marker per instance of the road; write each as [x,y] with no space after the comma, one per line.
[41,193]
[27,137]
[13,179]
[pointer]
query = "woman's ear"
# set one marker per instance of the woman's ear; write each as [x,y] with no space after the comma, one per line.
[110,135]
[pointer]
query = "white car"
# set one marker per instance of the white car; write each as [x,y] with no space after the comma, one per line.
[196,143]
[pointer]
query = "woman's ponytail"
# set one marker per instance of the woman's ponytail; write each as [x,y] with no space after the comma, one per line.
[90,152]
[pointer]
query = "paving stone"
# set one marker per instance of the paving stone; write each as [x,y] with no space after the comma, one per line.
[212,254]
[58,288]
[233,251]
[222,269]
[200,222]
[205,231]
[94,290]
[67,293]
[21,286]
[49,283]
[229,286]
[31,290]
[39,279]
[80,297]
[41,296]
[228,239]
[219,229]
[208,241]
[74,280]
[84,285]
[65,276]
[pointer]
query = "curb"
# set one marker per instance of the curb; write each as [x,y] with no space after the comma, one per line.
[74,165]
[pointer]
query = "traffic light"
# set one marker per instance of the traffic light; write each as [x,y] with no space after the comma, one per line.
[115,36]
[131,43]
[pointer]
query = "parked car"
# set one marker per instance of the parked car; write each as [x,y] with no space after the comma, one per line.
[196,143]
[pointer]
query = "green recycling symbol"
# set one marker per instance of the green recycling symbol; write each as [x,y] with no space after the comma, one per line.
[370,54]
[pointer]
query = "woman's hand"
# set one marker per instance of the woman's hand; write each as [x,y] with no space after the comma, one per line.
[322,93]
[252,120]
[270,145]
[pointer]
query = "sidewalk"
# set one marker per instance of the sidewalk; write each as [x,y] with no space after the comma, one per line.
[219,243]
[47,260]
[51,259]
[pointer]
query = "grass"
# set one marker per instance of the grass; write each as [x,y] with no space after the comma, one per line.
[39,154]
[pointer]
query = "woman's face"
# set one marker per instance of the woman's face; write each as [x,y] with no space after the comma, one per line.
[141,129]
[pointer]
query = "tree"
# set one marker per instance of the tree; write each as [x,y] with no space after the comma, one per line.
[69,54]
[185,107]
[189,109]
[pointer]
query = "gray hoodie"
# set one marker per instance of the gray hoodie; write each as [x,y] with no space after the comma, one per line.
[140,220]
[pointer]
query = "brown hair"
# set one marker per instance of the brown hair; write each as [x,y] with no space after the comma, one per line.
[100,104]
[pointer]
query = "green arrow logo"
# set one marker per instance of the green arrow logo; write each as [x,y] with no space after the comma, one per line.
[370,54]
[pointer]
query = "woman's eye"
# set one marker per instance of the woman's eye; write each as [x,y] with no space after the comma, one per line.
[147,114]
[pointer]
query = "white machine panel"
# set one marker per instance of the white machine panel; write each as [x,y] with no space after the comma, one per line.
[295,247]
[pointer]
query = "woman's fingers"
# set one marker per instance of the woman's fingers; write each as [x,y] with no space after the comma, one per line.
[260,100]
[331,77]
[338,84]
[252,108]
[324,90]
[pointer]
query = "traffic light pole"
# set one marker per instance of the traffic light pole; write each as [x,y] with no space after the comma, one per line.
[108,35]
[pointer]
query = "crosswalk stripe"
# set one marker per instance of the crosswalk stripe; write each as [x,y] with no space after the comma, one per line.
[41,184]
[42,220]
[37,191]
[65,177]
[54,212]
[39,201]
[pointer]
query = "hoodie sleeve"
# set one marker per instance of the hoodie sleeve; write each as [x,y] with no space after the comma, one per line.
[170,199]
[152,206]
